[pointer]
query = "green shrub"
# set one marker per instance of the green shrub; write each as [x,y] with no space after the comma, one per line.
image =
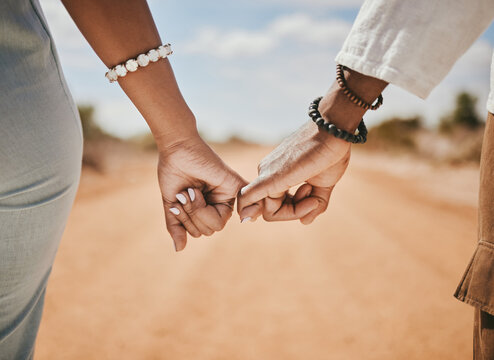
[90,129]
[464,114]
[395,132]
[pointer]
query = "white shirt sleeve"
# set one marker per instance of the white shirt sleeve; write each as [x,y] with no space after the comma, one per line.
[414,43]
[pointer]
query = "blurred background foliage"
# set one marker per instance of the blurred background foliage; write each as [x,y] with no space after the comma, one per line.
[457,139]
[464,114]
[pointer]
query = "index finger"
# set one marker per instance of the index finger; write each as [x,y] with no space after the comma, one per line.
[176,230]
[251,196]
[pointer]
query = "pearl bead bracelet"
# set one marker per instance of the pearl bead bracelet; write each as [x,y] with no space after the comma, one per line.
[141,60]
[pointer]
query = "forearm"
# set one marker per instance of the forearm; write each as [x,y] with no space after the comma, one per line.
[336,106]
[121,29]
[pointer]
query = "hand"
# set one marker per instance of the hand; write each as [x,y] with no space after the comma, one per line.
[197,187]
[309,155]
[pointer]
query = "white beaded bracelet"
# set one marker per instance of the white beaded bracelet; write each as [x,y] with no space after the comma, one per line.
[141,60]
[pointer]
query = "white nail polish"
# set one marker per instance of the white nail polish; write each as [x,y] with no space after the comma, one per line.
[175,211]
[248,218]
[242,190]
[181,198]
[192,194]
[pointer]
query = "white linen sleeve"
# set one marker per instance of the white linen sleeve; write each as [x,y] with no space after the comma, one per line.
[413,43]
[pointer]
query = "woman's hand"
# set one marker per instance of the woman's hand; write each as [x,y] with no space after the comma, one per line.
[308,156]
[197,187]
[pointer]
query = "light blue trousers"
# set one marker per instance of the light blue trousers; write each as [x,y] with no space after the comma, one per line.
[40,161]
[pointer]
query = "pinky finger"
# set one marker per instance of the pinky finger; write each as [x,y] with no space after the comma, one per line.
[322,195]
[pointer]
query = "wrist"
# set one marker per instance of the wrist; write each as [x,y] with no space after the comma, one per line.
[337,107]
[176,131]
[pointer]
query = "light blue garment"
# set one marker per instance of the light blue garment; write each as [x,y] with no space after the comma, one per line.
[40,161]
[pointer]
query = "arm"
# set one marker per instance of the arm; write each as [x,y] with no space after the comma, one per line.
[412,44]
[310,156]
[121,29]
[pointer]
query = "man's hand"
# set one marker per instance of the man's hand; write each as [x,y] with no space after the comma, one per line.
[198,189]
[309,156]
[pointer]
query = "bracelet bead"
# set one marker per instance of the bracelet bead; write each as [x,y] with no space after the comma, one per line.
[165,50]
[112,75]
[331,128]
[153,55]
[142,60]
[131,65]
[120,70]
[354,98]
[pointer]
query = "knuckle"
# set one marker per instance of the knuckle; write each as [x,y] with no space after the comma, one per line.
[195,234]
[218,226]
[191,211]
[268,217]
[184,219]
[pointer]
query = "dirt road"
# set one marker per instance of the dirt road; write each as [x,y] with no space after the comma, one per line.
[371,279]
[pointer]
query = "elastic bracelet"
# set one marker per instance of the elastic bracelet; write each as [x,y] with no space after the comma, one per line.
[354,98]
[142,60]
[359,138]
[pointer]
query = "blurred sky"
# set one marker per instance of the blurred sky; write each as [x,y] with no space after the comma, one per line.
[250,67]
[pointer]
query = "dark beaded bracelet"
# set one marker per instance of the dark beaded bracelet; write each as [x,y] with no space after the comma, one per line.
[315,115]
[354,98]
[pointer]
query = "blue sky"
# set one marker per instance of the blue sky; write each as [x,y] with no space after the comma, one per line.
[250,67]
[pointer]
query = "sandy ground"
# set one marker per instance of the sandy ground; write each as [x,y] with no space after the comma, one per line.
[373,278]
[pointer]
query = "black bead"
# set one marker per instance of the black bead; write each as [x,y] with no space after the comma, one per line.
[360,138]
[331,128]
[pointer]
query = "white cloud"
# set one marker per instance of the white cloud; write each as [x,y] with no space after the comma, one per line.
[326,4]
[229,44]
[255,82]
[299,28]
[303,28]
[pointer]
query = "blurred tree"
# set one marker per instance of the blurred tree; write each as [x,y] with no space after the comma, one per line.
[395,133]
[95,139]
[90,129]
[464,114]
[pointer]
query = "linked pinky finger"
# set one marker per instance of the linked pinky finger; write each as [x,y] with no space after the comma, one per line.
[322,195]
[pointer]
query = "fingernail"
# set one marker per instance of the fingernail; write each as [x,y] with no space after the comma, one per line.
[175,211]
[181,198]
[192,194]
[242,190]
[248,218]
